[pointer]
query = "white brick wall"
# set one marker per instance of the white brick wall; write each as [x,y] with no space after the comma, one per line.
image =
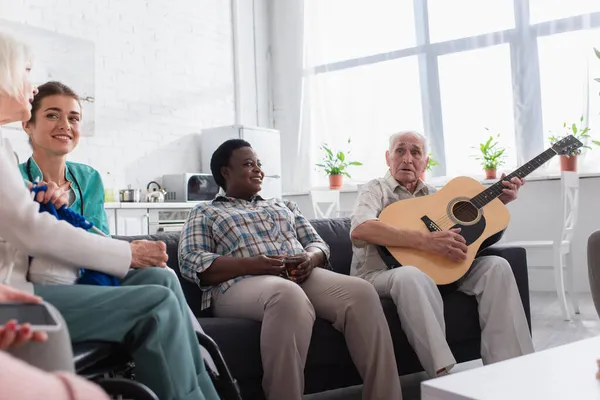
[163,73]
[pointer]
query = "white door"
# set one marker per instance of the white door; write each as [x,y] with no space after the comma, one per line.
[267,144]
[132,222]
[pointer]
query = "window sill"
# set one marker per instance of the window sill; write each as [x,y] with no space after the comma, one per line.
[439,182]
[345,189]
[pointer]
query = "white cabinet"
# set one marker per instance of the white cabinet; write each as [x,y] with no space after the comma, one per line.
[266,143]
[167,220]
[112,221]
[132,222]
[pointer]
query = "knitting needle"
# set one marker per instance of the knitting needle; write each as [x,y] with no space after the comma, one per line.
[98,231]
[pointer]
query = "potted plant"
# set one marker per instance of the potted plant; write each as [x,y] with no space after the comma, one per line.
[431,162]
[335,165]
[492,156]
[568,162]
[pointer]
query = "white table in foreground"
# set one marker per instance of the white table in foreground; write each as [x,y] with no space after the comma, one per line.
[563,372]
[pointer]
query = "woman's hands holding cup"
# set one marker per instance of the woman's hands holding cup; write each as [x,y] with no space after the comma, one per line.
[300,266]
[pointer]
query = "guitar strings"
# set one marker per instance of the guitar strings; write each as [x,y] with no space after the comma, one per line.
[446,221]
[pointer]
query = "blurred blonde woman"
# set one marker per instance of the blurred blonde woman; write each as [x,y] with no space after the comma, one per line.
[150,321]
[15,338]
[24,354]
[20,380]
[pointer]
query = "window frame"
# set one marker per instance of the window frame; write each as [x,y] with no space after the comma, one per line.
[522,41]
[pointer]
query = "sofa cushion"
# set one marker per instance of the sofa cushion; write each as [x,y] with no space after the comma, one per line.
[239,342]
[329,364]
[335,231]
[239,339]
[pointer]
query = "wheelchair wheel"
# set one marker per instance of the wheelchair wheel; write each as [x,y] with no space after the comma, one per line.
[125,389]
[224,382]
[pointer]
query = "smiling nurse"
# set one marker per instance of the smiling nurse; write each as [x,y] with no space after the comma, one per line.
[54,131]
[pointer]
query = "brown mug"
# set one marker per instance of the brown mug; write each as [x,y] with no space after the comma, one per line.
[291,263]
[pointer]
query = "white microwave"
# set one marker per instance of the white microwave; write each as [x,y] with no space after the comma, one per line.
[189,187]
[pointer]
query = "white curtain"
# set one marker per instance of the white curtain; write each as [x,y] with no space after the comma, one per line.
[289,93]
[456,70]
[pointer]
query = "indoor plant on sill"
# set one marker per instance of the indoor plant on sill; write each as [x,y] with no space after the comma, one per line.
[335,165]
[568,162]
[430,164]
[491,156]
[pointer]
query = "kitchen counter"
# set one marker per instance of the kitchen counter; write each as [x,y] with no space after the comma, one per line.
[165,205]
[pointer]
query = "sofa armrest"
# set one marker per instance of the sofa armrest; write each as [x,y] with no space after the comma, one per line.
[171,239]
[593,261]
[517,258]
[191,292]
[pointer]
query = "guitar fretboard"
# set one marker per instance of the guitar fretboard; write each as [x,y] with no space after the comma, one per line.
[495,190]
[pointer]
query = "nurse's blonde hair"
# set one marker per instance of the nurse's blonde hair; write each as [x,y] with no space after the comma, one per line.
[14,56]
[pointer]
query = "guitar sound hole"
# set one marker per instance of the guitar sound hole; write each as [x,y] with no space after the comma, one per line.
[465,211]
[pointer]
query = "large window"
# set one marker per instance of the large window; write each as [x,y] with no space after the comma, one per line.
[476,94]
[457,19]
[569,92]
[451,69]
[549,10]
[366,104]
[342,29]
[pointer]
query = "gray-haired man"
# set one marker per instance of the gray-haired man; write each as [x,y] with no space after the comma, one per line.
[505,333]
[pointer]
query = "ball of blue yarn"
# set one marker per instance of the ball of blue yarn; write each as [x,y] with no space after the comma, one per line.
[87,277]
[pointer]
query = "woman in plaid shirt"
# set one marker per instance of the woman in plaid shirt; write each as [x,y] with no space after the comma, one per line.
[233,249]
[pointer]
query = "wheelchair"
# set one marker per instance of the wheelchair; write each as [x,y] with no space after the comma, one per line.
[109,365]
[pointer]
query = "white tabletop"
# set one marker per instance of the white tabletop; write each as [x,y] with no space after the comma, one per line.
[564,372]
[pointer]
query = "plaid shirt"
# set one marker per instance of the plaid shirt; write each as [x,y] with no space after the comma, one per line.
[240,228]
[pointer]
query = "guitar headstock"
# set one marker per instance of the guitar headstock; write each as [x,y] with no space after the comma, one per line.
[566,145]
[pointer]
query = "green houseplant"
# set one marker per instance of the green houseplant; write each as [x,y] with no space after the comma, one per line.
[335,165]
[431,162]
[568,162]
[492,156]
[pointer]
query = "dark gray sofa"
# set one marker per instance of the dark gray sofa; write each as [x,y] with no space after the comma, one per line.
[329,365]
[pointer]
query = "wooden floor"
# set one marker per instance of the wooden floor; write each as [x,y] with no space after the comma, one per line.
[549,330]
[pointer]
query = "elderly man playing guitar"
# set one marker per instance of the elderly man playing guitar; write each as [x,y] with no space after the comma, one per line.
[504,329]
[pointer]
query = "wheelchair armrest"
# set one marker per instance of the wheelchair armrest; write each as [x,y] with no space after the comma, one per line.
[92,357]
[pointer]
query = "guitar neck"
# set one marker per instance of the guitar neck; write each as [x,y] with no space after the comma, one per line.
[495,190]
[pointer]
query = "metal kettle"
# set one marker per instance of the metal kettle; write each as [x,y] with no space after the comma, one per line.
[156,194]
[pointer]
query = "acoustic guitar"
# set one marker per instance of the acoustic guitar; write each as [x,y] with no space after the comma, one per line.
[462,203]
